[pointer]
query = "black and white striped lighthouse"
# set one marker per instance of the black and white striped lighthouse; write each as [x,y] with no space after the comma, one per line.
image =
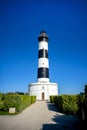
[43,88]
[43,61]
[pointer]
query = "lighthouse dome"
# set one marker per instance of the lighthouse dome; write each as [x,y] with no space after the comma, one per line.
[43,36]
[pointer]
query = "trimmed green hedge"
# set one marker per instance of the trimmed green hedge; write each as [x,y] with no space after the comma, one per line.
[82,107]
[66,103]
[52,99]
[1,102]
[20,102]
[33,99]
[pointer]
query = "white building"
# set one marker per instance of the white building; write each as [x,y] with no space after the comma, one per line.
[43,89]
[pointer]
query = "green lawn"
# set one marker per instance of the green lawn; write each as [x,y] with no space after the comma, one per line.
[7,113]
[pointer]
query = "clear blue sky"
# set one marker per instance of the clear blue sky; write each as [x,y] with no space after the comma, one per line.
[65,22]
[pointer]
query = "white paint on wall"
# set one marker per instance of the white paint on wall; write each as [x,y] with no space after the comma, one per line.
[43,62]
[43,45]
[41,80]
[47,88]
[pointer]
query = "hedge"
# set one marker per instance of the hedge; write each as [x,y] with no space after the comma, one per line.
[33,99]
[1,102]
[52,99]
[20,102]
[82,107]
[66,103]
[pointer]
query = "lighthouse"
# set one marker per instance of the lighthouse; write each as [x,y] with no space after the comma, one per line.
[43,88]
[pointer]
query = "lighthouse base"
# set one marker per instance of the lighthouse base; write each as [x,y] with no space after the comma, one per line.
[43,91]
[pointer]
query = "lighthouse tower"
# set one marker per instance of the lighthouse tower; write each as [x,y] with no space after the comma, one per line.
[43,88]
[43,63]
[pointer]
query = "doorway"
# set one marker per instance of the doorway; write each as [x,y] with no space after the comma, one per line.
[43,95]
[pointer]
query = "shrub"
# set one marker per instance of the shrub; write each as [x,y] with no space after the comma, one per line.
[52,99]
[1,105]
[82,113]
[33,99]
[85,108]
[20,102]
[12,101]
[25,102]
[67,103]
[1,101]
[70,105]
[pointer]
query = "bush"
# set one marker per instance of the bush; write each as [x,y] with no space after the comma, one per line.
[20,102]
[70,105]
[66,103]
[1,105]
[12,101]
[85,108]
[52,99]
[33,99]
[1,102]
[82,113]
[26,100]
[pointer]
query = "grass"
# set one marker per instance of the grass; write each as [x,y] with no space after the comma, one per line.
[7,113]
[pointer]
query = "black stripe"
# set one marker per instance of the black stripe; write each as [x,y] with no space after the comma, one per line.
[41,38]
[43,73]
[43,53]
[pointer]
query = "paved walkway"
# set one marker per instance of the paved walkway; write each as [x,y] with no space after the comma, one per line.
[39,116]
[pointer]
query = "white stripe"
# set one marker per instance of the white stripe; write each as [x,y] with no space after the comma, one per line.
[43,44]
[43,80]
[43,62]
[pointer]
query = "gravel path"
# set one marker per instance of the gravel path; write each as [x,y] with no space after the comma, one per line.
[39,116]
